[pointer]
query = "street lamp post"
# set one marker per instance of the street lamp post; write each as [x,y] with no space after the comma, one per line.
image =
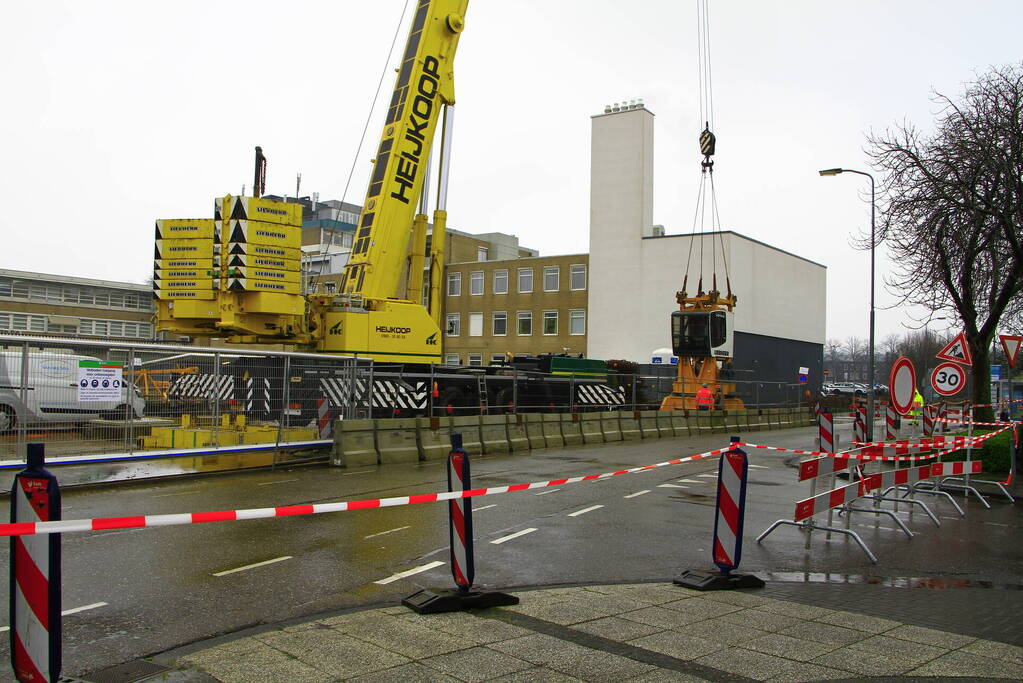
[870,391]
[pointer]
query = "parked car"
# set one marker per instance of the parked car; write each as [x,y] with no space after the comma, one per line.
[851,388]
[52,394]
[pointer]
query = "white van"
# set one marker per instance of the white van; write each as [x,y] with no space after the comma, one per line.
[52,392]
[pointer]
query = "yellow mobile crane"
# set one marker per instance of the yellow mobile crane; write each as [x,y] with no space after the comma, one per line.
[238,276]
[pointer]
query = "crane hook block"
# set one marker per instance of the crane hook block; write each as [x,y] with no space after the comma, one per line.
[707,141]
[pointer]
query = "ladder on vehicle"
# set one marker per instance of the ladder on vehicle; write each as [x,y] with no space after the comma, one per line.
[481,389]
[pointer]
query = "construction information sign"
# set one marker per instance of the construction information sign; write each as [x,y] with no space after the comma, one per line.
[99,381]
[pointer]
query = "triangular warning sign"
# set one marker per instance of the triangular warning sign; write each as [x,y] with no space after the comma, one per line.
[1011,344]
[237,234]
[156,253]
[236,286]
[237,249]
[957,351]
[236,261]
[238,212]
[158,231]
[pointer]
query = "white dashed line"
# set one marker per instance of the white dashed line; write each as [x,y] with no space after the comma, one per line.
[509,537]
[401,575]
[689,481]
[74,610]
[585,510]
[389,531]
[348,474]
[637,493]
[485,507]
[544,493]
[708,476]
[168,495]
[252,566]
[760,467]
[671,486]
[279,481]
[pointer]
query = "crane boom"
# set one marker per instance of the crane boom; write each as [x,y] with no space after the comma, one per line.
[425,82]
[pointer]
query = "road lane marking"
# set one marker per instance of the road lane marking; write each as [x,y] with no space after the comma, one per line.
[544,493]
[415,570]
[498,541]
[995,524]
[708,476]
[585,510]
[389,531]
[73,610]
[279,481]
[689,481]
[252,566]
[485,507]
[760,467]
[348,474]
[637,493]
[671,486]
[877,526]
[168,495]
[955,519]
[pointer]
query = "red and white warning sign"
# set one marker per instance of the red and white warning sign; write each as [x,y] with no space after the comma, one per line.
[957,351]
[1011,344]
[902,384]
[948,379]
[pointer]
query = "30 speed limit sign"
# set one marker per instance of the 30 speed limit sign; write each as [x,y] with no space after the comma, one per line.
[948,379]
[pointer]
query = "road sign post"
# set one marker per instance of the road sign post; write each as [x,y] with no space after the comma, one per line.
[35,575]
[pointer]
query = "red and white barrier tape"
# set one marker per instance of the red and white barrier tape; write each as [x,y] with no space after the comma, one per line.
[969,422]
[844,454]
[139,521]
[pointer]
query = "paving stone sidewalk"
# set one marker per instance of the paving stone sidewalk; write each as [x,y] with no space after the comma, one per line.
[647,633]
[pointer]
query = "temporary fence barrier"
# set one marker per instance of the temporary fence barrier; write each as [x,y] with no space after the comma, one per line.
[826,431]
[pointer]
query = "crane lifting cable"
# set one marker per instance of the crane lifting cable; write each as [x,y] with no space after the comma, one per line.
[706,216]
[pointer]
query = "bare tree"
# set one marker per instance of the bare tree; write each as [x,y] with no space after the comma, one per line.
[952,211]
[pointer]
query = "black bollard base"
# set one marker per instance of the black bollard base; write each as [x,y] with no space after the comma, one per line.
[430,602]
[716,581]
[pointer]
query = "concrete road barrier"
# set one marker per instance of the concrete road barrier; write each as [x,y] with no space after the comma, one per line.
[434,437]
[572,429]
[664,428]
[518,440]
[534,430]
[469,427]
[354,444]
[590,424]
[610,426]
[397,440]
[494,434]
[648,424]
[552,430]
[681,423]
[629,422]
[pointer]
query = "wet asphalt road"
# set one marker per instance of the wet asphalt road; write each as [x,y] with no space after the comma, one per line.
[160,587]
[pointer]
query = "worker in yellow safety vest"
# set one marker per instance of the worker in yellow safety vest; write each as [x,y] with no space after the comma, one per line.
[918,404]
[704,398]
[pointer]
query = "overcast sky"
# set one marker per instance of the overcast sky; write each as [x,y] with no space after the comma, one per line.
[117,113]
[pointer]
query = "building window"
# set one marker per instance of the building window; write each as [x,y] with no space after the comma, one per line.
[454,324]
[500,321]
[551,278]
[525,280]
[497,359]
[577,322]
[475,324]
[482,253]
[550,323]
[500,282]
[451,358]
[454,284]
[525,323]
[476,283]
[475,359]
[578,277]
[330,287]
